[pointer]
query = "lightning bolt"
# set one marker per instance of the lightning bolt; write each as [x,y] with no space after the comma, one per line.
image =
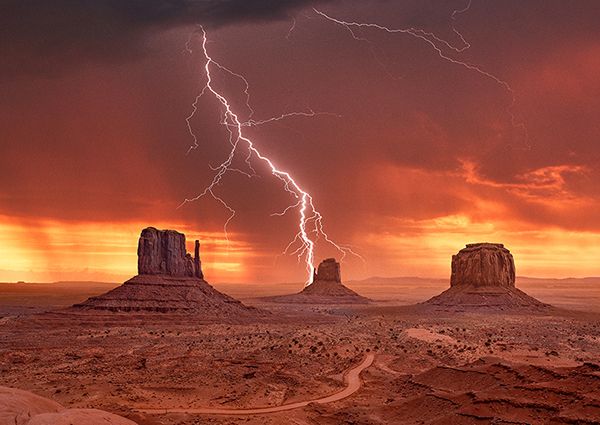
[434,41]
[310,224]
[292,28]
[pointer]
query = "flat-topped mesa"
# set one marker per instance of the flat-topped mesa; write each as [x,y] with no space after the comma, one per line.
[328,270]
[483,279]
[163,252]
[483,264]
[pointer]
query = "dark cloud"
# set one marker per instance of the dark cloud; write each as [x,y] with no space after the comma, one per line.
[44,37]
[410,138]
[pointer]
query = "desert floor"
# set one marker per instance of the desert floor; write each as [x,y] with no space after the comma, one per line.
[465,368]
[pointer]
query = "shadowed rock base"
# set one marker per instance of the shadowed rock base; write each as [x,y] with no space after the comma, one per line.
[467,298]
[328,288]
[164,294]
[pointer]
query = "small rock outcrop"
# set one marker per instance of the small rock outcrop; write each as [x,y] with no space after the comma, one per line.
[483,276]
[169,280]
[483,264]
[326,288]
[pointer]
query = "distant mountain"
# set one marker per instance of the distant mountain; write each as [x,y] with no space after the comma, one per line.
[413,280]
[378,280]
[566,280]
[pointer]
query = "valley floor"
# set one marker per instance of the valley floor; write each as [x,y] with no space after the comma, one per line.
[427,368]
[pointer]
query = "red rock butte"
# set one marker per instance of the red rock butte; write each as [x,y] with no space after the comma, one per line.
[326,288]
[162,252]
[483,264]
[483,276]
[169,280]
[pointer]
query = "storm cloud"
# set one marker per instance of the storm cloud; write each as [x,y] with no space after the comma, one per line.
[411,146]
[45,37]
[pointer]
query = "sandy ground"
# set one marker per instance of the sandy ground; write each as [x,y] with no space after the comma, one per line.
[427,368]
[352,383]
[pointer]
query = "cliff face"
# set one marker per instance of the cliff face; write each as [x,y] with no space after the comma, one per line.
[328,270]
[162,252]
[483,264]
[326,288]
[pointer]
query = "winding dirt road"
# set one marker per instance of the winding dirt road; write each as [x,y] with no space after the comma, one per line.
[351,379]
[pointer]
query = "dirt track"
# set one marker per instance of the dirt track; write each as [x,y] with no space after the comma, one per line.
[351,379]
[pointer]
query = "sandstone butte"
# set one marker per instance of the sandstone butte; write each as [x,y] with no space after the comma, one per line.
[326,288]
[483,276]
[169,280]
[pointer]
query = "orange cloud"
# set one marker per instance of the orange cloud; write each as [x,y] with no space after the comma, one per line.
[547,185]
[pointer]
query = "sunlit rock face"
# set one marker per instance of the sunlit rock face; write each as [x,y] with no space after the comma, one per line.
[163,252]
[483,264]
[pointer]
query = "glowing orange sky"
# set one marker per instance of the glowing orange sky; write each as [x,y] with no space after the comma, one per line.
[107,251]
[417,158]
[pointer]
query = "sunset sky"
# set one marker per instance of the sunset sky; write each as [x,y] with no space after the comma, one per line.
[412,157]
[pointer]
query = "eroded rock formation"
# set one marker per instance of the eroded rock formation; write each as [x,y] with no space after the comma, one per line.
[163,252]
[483,276]
[169,280]
[326,288]
[329,270]
[483,264]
